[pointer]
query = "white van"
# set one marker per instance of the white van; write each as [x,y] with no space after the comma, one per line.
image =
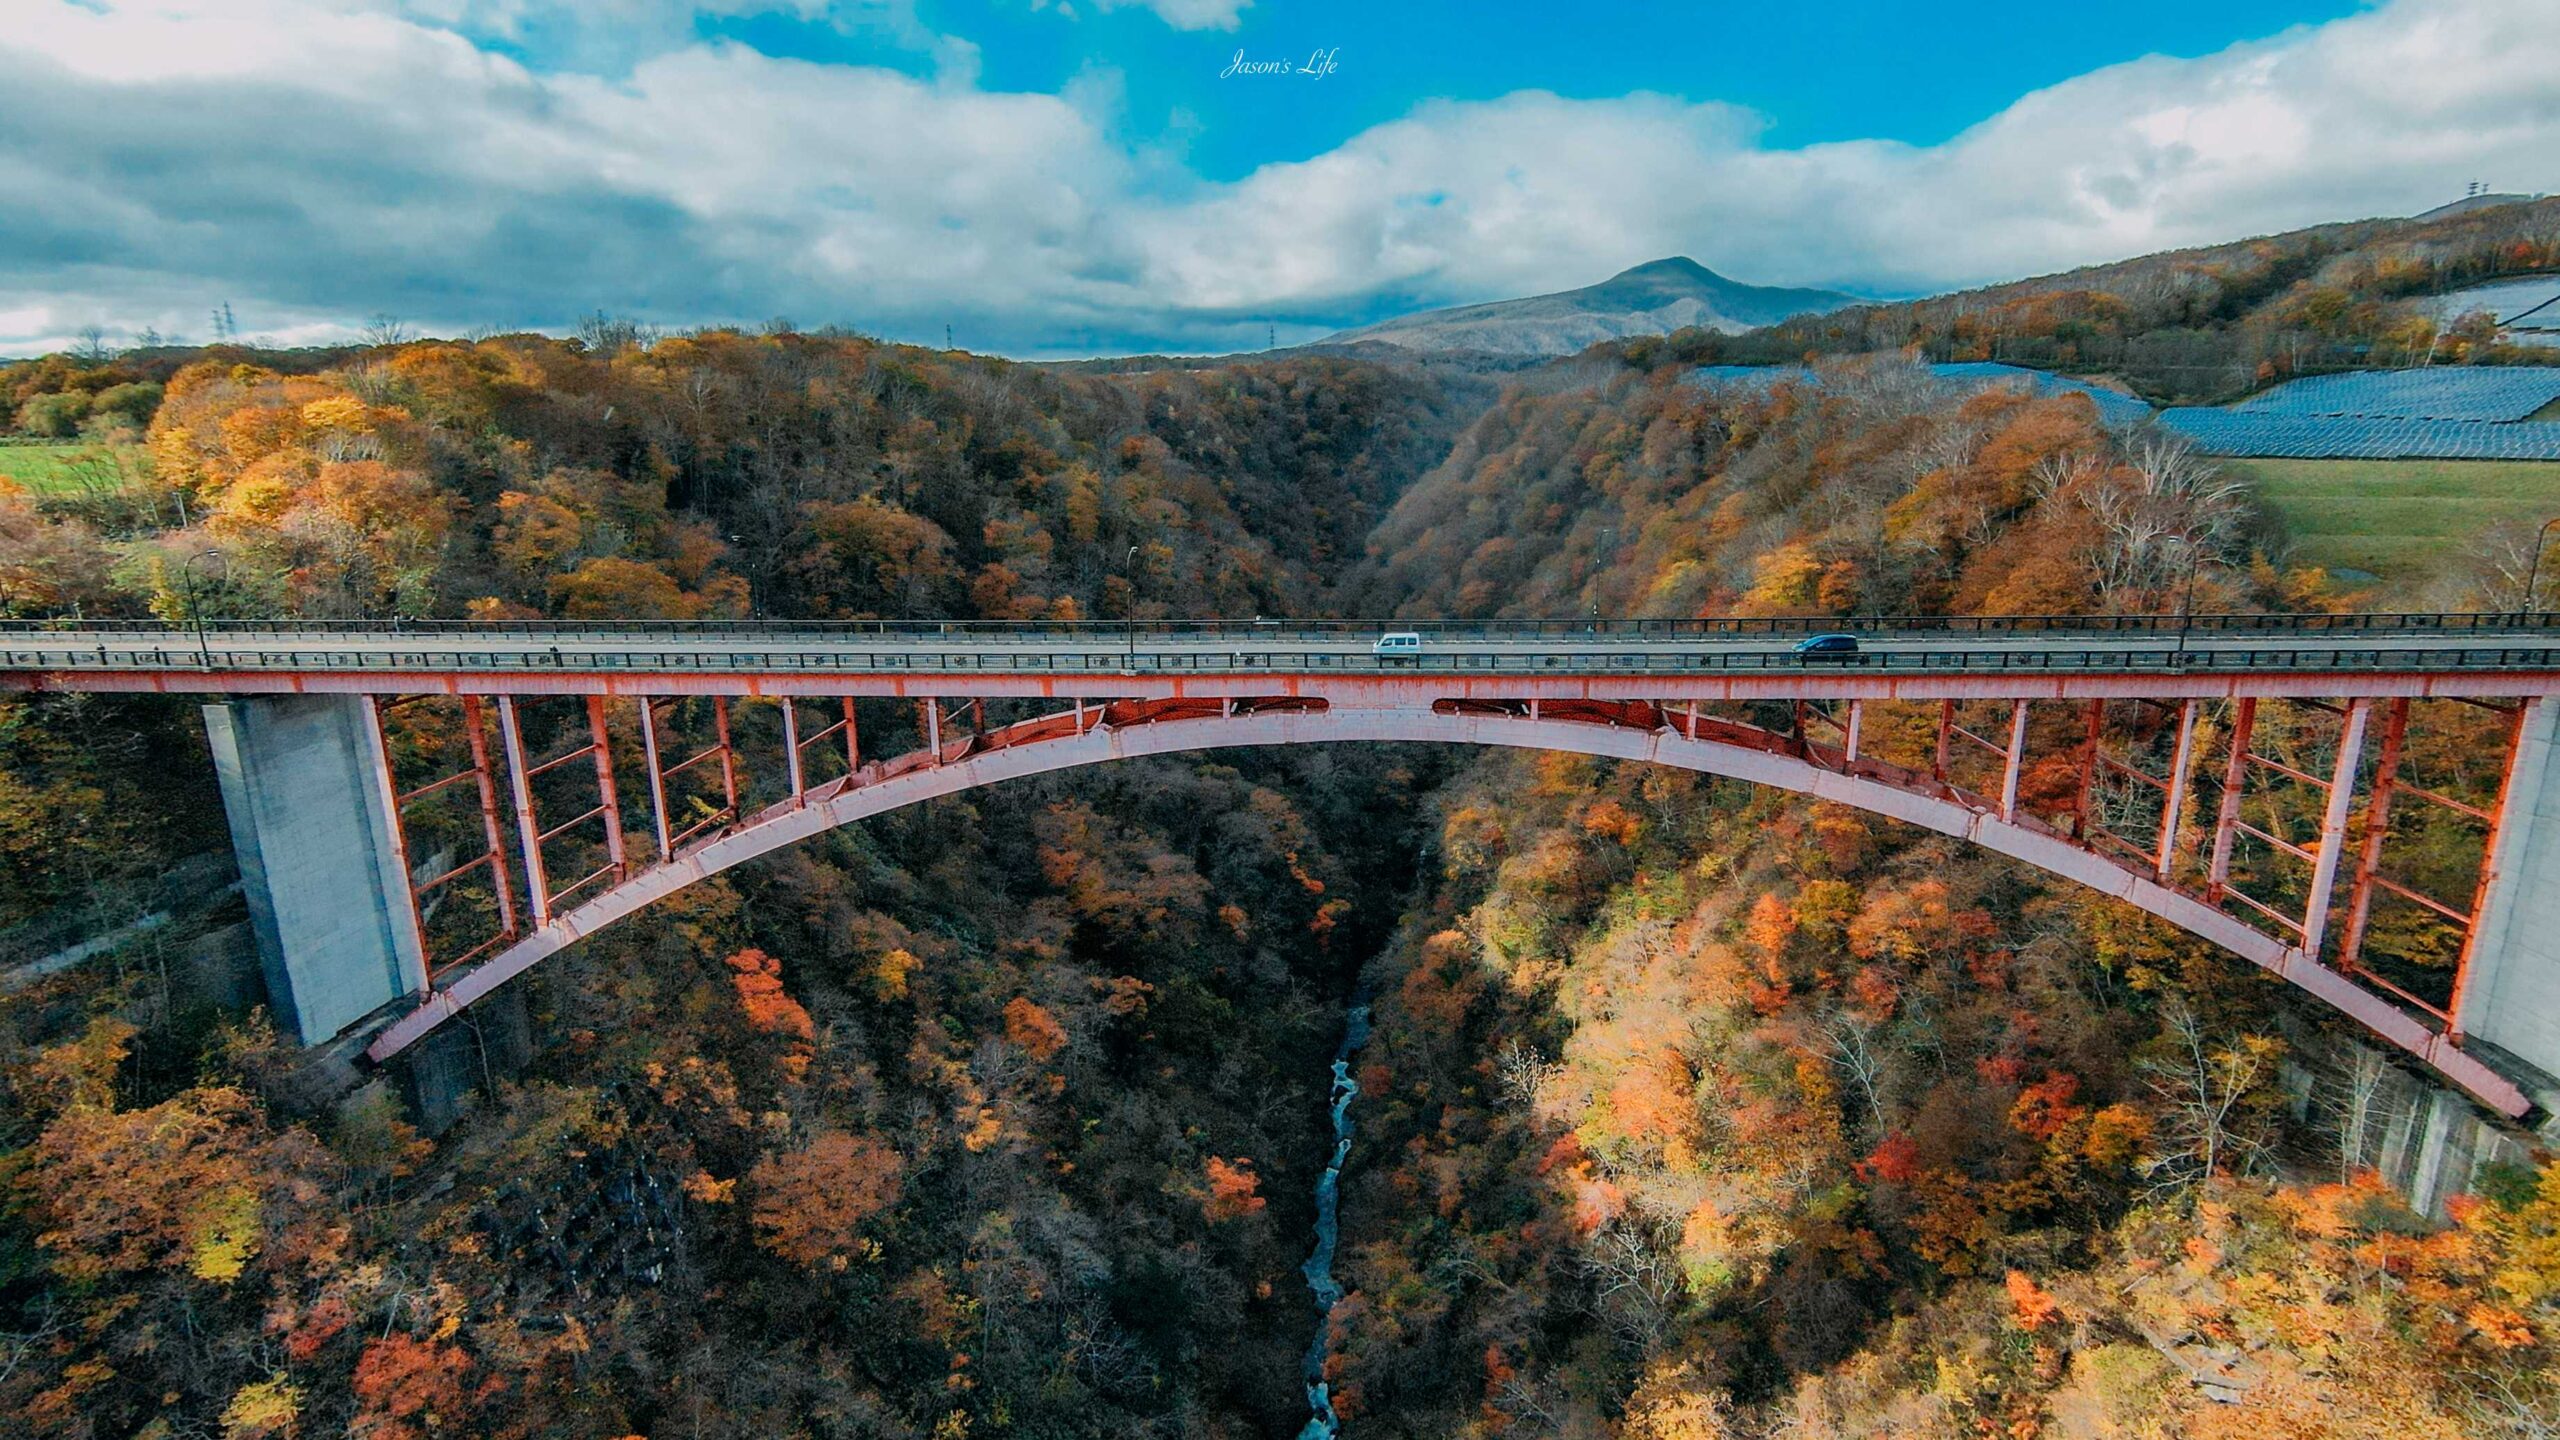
[1398,644]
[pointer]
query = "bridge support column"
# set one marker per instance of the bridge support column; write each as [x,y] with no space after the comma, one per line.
[308,792]
[2510,986]
[2333,828]
[2174,804]
[2013,760]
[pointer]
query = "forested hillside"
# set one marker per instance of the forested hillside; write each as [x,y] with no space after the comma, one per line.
[998,1114]
[2203,326]
[1704,1112]
[717,475]
[1691,1111]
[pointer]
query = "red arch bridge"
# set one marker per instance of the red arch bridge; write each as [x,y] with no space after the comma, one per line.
[2287,787]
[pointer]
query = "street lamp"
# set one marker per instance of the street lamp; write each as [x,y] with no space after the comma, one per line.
[1129,611]
[2187,594]
[195,610]
[755,611]
[2535,572]
[1599,563]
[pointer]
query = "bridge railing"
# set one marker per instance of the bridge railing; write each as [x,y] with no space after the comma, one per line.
[1455,661]
[1097,631]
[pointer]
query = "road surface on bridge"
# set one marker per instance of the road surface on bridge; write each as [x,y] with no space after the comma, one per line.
[1176,657]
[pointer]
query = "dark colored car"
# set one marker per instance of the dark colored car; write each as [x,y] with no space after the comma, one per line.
[1827,647]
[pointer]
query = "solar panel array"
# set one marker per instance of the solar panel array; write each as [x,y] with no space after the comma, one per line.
[2357,437]
[2450,412]
[2443,392]
[1758,377]
[2114,406]
[2533,303]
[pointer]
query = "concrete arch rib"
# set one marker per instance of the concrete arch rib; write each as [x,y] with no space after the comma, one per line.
[2033,845]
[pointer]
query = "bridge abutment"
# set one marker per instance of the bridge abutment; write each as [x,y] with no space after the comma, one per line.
[2511,988]
[308,794]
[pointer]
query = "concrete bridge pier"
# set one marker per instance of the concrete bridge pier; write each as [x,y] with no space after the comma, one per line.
[308,792]
[2510,995]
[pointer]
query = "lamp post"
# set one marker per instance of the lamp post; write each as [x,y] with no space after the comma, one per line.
[2187,595]
[2534,573]
[195,610]
[755,609]
[1599,563]
[1129,612]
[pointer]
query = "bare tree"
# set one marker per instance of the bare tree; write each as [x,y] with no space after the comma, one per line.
[2212,1095]
[2512,1400]
[2160,513]
[610,335]
[2059,472]
[1539,1402]
[1849,1044]
[2171,467]
[2358,1086]
[2499,562]
[385,329]
[1952,445]
[1523,1073]
[1635,1279]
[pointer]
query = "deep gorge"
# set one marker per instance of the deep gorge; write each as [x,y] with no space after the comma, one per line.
[1682,1109]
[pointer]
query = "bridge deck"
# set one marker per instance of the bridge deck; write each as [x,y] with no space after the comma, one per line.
[1633,689]
[2035,656]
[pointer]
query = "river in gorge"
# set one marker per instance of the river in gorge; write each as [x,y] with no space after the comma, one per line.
[1324,1424]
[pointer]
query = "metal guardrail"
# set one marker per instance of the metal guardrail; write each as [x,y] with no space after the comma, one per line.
[1882,627]
[186,657]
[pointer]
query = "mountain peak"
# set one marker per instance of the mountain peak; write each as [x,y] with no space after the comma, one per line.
[1671,267]
[1654,298]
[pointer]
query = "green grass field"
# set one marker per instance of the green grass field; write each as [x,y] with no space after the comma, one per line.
[46,469]
[2406,521]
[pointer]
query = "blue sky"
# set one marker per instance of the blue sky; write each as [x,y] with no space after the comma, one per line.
[1062,177]
[1849,70]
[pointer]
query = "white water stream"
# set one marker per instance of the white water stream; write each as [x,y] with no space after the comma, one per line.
[1325,1425]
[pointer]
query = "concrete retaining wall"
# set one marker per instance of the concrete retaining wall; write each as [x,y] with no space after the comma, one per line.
[2428,1142]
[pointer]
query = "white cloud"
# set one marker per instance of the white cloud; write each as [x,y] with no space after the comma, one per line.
[2383,113]
[1187,14]
[613,35]
[315,161]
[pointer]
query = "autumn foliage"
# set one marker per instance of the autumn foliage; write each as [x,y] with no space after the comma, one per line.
[1234,1191]
[1034,1029]
[408,1388]
[768,1007]
[1693,1110]
[811,1203]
